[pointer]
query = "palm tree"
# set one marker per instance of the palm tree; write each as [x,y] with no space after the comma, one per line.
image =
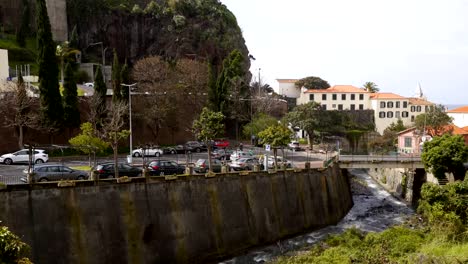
[65,54]
[370,87]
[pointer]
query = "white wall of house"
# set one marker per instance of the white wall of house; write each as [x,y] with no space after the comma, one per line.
[336,100]
[3,65]
[459,119]
[287,88]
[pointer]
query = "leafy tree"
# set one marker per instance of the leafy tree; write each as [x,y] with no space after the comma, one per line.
[207,127]
[259,123]
[277,136]
[71,113]
[116,73]
[312,82]
[387,141]
[125,78]
[112,128]
[88,142]
[16,109]
[370,87]
[51,101]
[434,122]
[311,117]
[445,154]
[12,249]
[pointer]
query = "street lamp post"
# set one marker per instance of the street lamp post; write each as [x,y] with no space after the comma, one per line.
[129,86]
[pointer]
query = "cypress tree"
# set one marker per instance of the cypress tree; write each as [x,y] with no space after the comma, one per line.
[23,31]
[116,94]
[50,99]
[125,78]
[71,113]
[232,69]
[100,88]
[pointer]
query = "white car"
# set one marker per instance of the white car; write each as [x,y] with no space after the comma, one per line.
[90,84]
[279,161]
[239,154]
[157,152]
[22,156]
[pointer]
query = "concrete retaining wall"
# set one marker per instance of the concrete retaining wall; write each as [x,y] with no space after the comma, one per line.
[188,220]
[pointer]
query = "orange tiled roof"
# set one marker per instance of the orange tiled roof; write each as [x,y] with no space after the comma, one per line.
[463,109]
[338,89]
[419,101]
[386,96]
[458,131]
[287,80]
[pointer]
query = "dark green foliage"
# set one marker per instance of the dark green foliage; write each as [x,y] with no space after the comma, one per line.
[100,87]
[50,99]
[125,78]
[370,87]
[12,249]
[312,82]
[23,30]
[71,113]
[82,77]
[259,123]
[116,72]
[434,121]
[445,154]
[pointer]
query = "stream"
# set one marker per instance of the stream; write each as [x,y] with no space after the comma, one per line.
[374,210]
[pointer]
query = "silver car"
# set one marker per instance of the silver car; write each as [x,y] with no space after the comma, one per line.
[54,172]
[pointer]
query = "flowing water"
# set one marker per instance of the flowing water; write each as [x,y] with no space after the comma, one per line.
[374,210]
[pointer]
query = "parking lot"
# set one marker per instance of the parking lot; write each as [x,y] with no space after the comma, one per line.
[11,174]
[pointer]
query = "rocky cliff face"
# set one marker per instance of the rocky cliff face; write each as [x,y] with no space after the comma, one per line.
[204,31]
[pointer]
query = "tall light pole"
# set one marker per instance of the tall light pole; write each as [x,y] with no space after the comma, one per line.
[129,86]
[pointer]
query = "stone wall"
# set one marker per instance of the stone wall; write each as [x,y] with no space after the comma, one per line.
[188,220]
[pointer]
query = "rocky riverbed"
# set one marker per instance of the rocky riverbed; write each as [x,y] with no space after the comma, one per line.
[374,210]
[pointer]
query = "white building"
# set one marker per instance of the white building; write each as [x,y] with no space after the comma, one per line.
[4,74]
[460,116]
[287,88]
[338,97]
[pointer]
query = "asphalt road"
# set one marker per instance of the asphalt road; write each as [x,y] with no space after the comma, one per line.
[11,174]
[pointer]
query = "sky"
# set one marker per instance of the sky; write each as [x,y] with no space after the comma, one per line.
[393,43]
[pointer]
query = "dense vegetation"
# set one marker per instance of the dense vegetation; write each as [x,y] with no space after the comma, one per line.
[438,235]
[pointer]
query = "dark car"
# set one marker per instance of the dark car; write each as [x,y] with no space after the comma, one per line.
[55,172]
[202,165]
[165,167]
[106,170]
[195,146]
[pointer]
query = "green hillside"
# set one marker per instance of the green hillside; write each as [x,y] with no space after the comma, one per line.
[18,55]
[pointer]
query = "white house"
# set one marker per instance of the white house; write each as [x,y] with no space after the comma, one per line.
[287,88]
[338,97]
[3,65]
[459,115]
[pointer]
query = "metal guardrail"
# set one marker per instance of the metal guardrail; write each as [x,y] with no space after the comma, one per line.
[354,161]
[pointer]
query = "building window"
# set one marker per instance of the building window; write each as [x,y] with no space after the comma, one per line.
[333,96]
[408,142]
[340,107]
[412,118]
[324,97]
[397,114]
[382,114]
[418,108]
[361,107]
[353,97]
[324,107]
[343,97]
[389,114]
[397,104]
[405,104]
[311,97]
[333,105]
[353,107]
[382,104]
[389,104]
[413,108]
[361,97]
[404,114]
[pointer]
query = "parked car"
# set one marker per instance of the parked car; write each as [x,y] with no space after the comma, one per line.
[165,167]
[279,161]
[54,172]
[221,154]
[244,164]
[221,143]
[169,150]
[106,170]
[195,146]
[22,156]
[89,84]
[157,152]
[294,145]
[238,154]
[202,165]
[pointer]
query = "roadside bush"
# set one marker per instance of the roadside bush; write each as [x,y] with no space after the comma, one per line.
[12,249]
